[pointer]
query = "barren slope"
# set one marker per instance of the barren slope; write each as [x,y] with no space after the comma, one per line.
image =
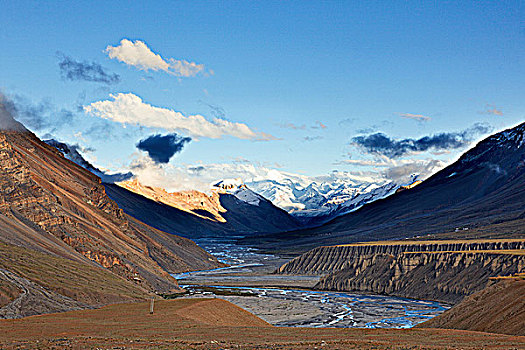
[499,308]
[216,324]
[67,245]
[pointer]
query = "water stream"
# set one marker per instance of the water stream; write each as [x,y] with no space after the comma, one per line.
[291,306]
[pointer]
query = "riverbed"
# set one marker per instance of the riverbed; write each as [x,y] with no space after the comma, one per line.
[288,301]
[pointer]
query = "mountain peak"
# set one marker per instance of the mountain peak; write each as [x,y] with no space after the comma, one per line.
[229,184]
[502,153]
[514,136]
[71,152]
[237,188]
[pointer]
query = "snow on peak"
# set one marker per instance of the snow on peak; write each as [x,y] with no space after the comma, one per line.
[237,188]
[330,196]
[514,136]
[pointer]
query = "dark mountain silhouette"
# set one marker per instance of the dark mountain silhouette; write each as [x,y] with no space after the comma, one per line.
[241,218]
[482,194]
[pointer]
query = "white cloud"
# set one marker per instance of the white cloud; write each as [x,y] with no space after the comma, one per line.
[138,54]
[180,177]
[197,176]
[418,117]
[130,109]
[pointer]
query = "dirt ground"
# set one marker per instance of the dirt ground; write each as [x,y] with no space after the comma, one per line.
[217,324]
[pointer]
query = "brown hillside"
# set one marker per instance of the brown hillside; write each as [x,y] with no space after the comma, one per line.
[47,283]
[499,308]
[60,206]
[216,324]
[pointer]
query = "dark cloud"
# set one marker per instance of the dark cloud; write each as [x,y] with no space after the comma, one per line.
[43,116]
[7,113]
[87,71]
[161,148]
[380,143]
[196,169]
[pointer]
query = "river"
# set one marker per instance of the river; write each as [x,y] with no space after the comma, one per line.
[288,301]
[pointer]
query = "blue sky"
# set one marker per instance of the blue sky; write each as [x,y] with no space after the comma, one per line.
[354,67]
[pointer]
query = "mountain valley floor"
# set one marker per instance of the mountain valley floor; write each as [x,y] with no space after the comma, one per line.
[217,324]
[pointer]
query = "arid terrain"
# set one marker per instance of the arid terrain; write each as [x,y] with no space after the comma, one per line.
[499,308]
[217,324]
[299,175]
[75,271]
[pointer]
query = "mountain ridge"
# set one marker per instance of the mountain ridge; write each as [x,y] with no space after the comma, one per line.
[52,206]
[482,191]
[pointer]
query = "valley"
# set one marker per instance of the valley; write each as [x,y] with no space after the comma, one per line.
[289,300]
[72,245]
[262,175]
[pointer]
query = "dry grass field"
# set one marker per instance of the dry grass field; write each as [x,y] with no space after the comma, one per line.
[88,284]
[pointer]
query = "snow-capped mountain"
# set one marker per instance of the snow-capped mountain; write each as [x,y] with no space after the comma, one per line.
[303,198]
[238,189]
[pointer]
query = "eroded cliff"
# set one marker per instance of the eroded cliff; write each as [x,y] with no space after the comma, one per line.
[446,271]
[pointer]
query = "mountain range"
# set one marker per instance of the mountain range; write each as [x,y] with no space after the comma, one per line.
[67,244]
[314,202]
[482,194]
[310,202]
[192,214]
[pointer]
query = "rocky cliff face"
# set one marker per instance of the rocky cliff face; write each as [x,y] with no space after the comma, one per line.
[64,206]
[194,202]
[445,271]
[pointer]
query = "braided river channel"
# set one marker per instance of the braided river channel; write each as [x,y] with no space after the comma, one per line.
[289,301]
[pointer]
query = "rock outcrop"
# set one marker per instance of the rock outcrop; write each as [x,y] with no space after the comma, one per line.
[52,205]
[446,271]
